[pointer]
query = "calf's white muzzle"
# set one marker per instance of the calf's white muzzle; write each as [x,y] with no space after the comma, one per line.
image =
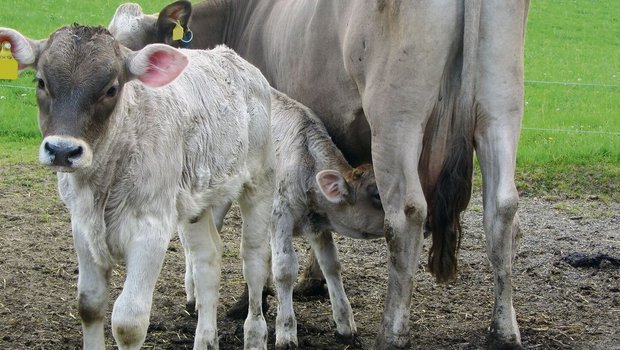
[65,153]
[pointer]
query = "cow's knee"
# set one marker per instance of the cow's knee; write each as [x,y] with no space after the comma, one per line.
[130,320]
[91,306]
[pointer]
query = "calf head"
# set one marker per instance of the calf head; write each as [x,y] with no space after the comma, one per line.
[81,72]
[135,30]
[355,208]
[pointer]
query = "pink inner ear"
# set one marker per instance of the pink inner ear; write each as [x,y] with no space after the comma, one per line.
[164,67]
[330,185]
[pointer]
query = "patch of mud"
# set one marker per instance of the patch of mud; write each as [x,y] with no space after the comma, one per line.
[558,306]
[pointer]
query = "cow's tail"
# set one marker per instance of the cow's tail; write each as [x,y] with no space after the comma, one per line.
[453,188]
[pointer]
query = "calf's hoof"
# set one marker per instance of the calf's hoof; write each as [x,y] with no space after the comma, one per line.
[310,289]
[190,308]
[287,346]
[392,343]
[499,343]
[352,339]
[239,310]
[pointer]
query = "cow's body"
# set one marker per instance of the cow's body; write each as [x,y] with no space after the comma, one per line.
[157,158]
[413,86]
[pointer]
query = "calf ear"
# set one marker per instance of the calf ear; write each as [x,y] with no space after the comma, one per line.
[177,11]
[156,65]
[25,51]
[333,186]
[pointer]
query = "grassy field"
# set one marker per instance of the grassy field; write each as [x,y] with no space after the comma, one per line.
[570,144]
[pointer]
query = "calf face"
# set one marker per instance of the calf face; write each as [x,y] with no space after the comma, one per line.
[356,209]
[81,72]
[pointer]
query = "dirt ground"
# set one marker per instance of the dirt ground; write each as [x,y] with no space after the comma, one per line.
[558,306]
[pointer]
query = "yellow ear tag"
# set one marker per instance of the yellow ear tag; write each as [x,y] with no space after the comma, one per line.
[177,32]
[8,64]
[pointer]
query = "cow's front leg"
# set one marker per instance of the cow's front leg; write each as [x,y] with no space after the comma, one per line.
[205,251]
[144,257]
[92,294]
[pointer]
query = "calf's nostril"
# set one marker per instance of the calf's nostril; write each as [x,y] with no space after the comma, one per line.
[50,148]
[77,151]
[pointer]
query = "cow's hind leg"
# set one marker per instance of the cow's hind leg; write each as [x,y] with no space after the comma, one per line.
[92,295]
[496,151]
[500,107]
[255,204]
[327,257]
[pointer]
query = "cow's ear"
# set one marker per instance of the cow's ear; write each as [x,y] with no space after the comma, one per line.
[180,11]
[333,186]
[25,51]
[156,64]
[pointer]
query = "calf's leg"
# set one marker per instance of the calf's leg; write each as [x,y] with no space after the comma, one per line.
[284,268]
[219,213]
[144,256]
[205,251]
[256,205]
[92,295]
[327,257]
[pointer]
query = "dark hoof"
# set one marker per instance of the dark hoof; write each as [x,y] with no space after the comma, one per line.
[289,346]
[310,289]
[396,343]
[353,340]
[497,343]
[190,307]
[239,310]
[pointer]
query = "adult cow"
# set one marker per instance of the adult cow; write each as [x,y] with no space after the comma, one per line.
[133,161]
[414,87]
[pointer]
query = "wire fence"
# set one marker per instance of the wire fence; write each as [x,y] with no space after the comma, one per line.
[572,131]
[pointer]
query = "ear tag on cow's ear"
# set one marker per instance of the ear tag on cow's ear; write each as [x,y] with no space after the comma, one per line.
[177,32]
[8,64]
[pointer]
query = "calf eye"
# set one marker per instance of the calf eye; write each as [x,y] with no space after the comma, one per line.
[40,84]
[112,91]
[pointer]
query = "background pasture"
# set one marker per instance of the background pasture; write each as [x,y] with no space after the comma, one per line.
[568,174]
[570,144]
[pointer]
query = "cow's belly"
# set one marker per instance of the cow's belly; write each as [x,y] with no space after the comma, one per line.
[299,52]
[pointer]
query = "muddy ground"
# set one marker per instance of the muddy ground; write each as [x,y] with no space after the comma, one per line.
[559,306]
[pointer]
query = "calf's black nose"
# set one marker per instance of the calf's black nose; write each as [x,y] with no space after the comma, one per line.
[62,155]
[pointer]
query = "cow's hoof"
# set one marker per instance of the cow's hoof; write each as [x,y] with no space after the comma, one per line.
[353,340]
[392,343]
[190,307]
[310,289]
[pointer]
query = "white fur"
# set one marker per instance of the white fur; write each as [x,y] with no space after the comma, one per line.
[168,157]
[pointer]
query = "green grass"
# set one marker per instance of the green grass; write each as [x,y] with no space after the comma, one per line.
[572,41]
[575,41]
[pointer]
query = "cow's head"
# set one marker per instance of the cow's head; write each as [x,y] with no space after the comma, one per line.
[134,29]
[356,208]
[80,76]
